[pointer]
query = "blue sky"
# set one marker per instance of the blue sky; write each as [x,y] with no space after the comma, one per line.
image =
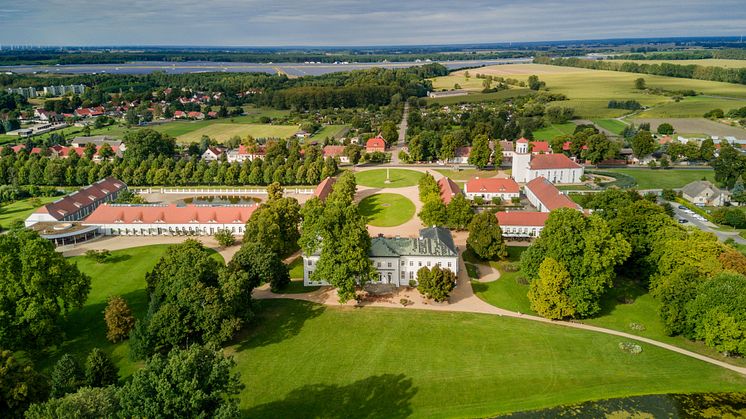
[346,22]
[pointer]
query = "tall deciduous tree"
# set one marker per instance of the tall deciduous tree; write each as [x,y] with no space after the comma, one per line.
[279,217]
[428,186]
[38,284]
[643,144]
[86,403]
[548,293]
[119,319]
[729,165]
[262,265]
[586,247]
[100,370]
[435,283]
[485,237]
[20,385]
[195,382]
[434,211]
[460,213]
[480,151]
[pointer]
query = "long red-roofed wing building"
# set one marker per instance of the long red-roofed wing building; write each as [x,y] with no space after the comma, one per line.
[448,189]
[171,219]
[543,195]
[324,188]
[79,204]
[521,224]
[489,188]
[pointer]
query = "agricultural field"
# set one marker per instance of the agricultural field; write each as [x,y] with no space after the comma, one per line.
[224,131]
[589,91]
[614,125]
[387,209]
[20,210]
[706,62]
[692,107]
[331,131]
[690,126]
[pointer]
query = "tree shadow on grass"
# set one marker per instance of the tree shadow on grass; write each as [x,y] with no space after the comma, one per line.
[381,396]
[120,257]
[624,291]
[276,321]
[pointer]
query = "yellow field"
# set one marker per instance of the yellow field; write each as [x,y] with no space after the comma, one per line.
[590,91]
[709,62]
[223,132]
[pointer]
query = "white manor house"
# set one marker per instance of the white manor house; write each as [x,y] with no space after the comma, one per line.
[397,259]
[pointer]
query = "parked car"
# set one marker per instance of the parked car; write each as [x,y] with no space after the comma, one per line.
[682,207]
[682,221]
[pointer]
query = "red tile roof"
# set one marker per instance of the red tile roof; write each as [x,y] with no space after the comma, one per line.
[492,185]
[334,150]
[567,144]
[540,147]
[242,149]
[552,161]
[549,195]
[448,189]
[522,140]
[324,188]
[375,142]
[170,214]
[522,218]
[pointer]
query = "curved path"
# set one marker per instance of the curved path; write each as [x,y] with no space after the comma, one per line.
[463,299]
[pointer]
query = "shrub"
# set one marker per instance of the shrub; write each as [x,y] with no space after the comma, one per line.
[630,348]
[636,326]
[100,256]
[119,319]
[225,237]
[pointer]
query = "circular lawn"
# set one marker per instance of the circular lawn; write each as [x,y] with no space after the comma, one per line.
[399,178]
[387,209]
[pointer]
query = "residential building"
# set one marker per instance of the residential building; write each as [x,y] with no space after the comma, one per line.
[243,154]
[461,156]
[508,149]
[557,168]
[521,224]
[397,259]
[543,195]
[98,140]
[324,188]
[704,193]
[337,152]
[27,92]
[212,154]
[195,115]
[489,188]
[79,204]
[448,189]
[375,144]
[169,219]
[90,112]
[540,147]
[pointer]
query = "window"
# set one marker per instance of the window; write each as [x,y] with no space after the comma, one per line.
[411,263]
[449,264]
[389,264]
[419,263]
[411,275]
[310,262]
[402,263]
[378,264]
[428,263]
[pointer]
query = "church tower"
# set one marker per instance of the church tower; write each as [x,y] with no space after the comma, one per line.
[521,161]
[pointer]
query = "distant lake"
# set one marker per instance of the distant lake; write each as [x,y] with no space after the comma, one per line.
[291,69]
[220,200]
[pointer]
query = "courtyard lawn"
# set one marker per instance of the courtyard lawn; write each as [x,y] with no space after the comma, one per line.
[554,130]
[123,275]
[20,210]
[664,179]
[387,209]
[399,178]
[395,363]
[466,174]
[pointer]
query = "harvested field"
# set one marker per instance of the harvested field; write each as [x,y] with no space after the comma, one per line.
[695,126]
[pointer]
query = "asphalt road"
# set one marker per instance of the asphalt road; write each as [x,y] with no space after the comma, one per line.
[706,226]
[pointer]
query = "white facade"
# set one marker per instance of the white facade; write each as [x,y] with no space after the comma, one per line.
[521,231]
[557,175]
[561,170]
[521,162]
[163,229]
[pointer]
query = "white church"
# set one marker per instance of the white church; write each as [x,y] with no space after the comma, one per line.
[556,168]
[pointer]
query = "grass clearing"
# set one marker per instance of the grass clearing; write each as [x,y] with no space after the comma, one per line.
[331,131]
[466,174]
[664,179]
[395,363]
[614,125]
[387,209]
[222,132]
[399,178]
[20,210]
[554,130]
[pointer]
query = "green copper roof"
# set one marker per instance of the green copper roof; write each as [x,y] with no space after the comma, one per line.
[434,241]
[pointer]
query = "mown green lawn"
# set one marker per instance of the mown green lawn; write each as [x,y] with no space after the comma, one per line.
[387,209]
[20,210]
[554,130]
[331,131]
[399,178]
[394,363]
[663,179]
[614,125]
[123,275]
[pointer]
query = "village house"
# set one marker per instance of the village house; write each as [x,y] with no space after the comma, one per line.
[489,188]
[212,154]
[557,168]
[448,189]
[336,152]
[375,144]
[242,154]
[704,193]
[397,259]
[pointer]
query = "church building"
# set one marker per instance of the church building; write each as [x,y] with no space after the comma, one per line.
[556,168]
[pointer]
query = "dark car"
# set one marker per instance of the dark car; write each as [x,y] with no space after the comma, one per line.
[682,221]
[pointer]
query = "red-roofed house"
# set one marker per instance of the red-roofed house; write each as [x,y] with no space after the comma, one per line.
[336,152]
[375,144]
[195,115]
[521,224]
[546,197]
[461,156]
[243,154]
[489,188]
[212,153]
[540,147]
[169,220]
[212,114]
[324,188]
[448,189]
[179,115]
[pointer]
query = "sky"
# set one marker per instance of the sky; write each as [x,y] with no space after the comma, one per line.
[365,22]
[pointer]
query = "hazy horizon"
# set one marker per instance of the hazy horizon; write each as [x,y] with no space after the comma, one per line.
[345,23]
